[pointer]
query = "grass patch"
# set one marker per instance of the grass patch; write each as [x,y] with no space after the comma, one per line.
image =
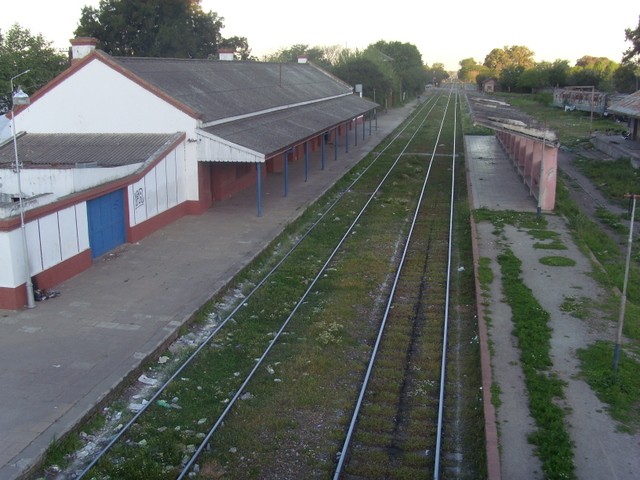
[614,178]
[577,307]
[544,388]
[620,392]
[611,220]
[554,261]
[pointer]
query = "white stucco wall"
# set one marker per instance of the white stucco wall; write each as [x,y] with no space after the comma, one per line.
[98,99]
[11,258]
[50,240]
[162,188]
[61,182]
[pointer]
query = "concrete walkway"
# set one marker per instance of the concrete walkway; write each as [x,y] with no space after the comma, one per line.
[600,450]
[63,357]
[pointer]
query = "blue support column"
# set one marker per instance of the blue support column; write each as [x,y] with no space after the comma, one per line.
[355,132]
[346,139]
[286,173]
[324,142]
[375,112]
[364,125]
[335,145]
[259,170]
[306,160]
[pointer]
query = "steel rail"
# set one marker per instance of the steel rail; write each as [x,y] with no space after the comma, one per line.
[217,329]
[443,361]
[259,361]
[354,418]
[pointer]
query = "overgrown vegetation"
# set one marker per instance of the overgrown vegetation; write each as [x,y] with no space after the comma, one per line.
[621,391]
[614,178]
[555,261]
[544,388]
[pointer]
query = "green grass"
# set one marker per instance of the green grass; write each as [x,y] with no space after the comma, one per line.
[621,391]
[613,178]
[544,388]
[577,307]
[573,128]
[553,261]
[613,221]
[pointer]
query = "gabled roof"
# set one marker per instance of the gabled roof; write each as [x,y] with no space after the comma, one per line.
[42,150]
[225,89]
[275,132]
[628,106]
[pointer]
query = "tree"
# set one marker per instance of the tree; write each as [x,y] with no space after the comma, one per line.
[510,76]
[21,51]
[596,71]
[152,28]
[359,69]
[407,64]
[626,78]
[470,69]
[536,77]
[632,54]
[240,47]
[558,73]
[630,62]
[515,56]
[436,73]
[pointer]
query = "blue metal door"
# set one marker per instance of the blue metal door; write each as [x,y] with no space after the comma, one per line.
[106,222]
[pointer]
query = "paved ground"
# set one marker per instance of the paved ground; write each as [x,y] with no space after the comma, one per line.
[600,451]
[62,357]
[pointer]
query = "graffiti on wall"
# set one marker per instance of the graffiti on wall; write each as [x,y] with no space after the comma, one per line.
[138,198]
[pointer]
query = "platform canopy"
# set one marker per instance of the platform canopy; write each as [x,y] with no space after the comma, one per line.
[258,137]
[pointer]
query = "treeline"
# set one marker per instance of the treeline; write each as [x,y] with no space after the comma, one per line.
[516,71]
[389,72]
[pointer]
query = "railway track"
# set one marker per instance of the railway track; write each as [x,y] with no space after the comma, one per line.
[399,423]
[304,332]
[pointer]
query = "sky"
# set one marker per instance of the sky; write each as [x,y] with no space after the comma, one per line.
[444,32]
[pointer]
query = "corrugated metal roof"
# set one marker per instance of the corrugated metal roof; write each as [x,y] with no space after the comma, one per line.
[222,89]
[276,131]
[629,106]
[41,150]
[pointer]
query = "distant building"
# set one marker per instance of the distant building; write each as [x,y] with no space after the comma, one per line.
[490,85]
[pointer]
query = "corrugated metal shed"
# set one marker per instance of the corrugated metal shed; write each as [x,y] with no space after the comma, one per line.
[497,114]
[71,150]
[629,106]
[275,132]
[222,89]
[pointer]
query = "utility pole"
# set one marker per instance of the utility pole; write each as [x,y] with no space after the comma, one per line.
[623,299]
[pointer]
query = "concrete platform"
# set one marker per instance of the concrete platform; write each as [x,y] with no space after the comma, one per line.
[495,183]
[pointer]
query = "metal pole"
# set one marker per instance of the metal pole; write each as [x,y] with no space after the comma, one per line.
[29,284]
[623,299]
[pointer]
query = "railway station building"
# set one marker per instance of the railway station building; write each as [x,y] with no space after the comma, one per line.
[115,148]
